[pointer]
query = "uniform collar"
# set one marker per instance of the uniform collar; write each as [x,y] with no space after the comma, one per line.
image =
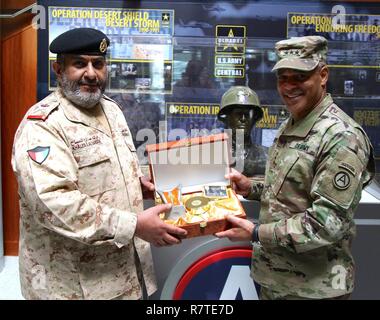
[77,114]
[302,127]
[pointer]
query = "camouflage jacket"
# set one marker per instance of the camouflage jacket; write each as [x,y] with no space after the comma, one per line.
[315,173]
[79,192]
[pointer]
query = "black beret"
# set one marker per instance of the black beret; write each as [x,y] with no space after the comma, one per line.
[81,41]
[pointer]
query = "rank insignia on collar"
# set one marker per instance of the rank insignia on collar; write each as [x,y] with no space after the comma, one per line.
[39,154]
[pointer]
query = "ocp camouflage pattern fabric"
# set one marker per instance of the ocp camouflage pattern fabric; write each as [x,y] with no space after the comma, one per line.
[316,170]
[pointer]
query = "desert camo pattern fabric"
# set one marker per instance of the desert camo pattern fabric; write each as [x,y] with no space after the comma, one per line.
[79,195]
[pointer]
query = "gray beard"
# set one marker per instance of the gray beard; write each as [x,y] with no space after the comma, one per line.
[87,100]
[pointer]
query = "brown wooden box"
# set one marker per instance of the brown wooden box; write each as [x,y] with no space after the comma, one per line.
[193,163]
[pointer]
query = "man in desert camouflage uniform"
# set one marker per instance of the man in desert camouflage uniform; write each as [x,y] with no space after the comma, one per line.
[83,231]
[317,167]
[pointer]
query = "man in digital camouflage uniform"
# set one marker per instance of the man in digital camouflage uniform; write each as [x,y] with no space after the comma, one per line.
[83,231]
[317,167]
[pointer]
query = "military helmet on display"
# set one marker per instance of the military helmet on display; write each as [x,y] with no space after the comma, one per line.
[243,97]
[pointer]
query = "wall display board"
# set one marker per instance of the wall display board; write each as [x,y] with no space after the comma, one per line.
[171,61]
[141,55]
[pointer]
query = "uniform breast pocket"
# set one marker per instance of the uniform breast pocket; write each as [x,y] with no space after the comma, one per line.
[95,174]
[127,138]
[129,143]
[132,150]
[284,166]
[131,146]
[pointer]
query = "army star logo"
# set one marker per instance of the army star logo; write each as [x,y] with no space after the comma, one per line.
[165,17]
[103,46]
[342,180]
[39,154]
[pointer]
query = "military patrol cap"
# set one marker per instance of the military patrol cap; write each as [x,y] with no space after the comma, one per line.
[86,41]
[300,53]
[240,96]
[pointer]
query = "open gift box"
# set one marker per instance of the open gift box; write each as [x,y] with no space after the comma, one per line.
[189,173]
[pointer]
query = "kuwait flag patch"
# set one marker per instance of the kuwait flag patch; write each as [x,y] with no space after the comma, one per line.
[39,154]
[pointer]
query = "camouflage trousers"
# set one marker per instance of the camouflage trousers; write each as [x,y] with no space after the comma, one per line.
[141,280]
[144,292]
[268,294]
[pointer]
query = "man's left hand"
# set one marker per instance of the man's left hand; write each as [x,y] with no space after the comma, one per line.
[147,187]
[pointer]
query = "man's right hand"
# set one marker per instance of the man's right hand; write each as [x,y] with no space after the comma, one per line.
[241,231]
[239,182]
[151,228]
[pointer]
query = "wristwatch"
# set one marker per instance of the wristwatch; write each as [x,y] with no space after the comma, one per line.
[255,233]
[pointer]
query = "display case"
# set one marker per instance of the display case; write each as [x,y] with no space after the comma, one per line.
[190,174]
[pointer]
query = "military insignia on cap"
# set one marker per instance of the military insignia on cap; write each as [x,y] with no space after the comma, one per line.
[342,180]
[103,46]
[290,53]
[39,154]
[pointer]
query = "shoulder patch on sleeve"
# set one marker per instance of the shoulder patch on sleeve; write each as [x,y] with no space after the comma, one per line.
[348,167]
[339,179]
[39,154]
[342,180]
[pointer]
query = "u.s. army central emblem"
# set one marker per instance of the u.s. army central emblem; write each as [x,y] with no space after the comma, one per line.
[342,180]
